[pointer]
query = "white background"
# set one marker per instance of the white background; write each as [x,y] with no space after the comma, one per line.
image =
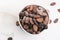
[9,10]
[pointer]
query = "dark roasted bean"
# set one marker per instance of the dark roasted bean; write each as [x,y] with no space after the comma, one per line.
[43,17]
[34,20]
[31,8]
[23,20]
[27,20]
[45,27]
[58,10]
[10,38]
[52,4]
[25,26]
[21,15]
[56,20]
[17,23]
[26,13]
[31,21]
[35,28]
[36,16]
[46,20]
[40,20]
[30,31]
[41,25]
[30,26]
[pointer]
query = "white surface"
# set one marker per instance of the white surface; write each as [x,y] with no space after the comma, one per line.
[9,10]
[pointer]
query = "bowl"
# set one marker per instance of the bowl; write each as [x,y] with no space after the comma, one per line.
[33,19]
